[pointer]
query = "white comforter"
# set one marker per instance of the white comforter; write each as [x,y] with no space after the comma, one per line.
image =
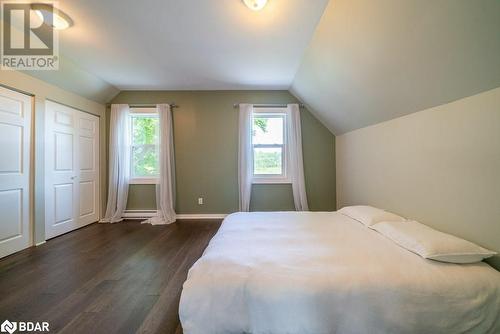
[326,273]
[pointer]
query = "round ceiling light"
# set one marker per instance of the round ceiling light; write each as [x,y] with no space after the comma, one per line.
[255,4]
[60,20]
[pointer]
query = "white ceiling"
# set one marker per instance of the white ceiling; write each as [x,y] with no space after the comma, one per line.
[190,44]
[371,61]
[353,62]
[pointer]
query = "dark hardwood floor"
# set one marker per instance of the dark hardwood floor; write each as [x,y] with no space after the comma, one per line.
[119,278]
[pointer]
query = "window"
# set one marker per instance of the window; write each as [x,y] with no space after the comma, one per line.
[144,125]
[269,146]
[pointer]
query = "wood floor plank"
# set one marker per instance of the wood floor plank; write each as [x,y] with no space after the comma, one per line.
[164,314]
[105,278]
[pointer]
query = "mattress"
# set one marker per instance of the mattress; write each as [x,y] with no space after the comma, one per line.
[322,272]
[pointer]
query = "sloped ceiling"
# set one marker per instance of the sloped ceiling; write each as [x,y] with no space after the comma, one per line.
[73,78]
[190,44]
[371,61]
[353,62]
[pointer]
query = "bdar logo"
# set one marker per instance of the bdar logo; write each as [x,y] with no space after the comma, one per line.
[8,327]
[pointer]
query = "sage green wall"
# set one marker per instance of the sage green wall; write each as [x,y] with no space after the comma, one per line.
[206,153]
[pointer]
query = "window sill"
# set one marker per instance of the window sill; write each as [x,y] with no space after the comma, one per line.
[271,180]
[144,180]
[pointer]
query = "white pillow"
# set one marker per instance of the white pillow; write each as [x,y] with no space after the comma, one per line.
[431,244]
[369,215]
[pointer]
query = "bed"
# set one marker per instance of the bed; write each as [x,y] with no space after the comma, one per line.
[322,272]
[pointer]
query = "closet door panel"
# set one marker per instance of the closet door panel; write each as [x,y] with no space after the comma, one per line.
[88,139]
[72,169]
[60,173]
[15,130]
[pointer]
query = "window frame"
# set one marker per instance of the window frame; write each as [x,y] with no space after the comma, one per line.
[284,177]
[135,112]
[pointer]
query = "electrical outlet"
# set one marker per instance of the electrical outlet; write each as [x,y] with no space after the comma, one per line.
[200,201]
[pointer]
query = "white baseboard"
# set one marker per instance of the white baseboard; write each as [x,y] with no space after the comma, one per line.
[40,243]
[201,216]
[139,214]
[144,214]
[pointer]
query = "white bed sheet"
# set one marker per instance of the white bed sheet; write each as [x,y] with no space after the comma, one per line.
[322,272]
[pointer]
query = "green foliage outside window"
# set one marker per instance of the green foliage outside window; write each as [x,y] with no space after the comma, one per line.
[261,123]
[145,146]
[267,161]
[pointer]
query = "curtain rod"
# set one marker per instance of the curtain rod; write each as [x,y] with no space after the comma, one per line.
[172,105]
[301,105]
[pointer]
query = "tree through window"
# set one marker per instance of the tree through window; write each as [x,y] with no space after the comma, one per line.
[269,146]
[144,145]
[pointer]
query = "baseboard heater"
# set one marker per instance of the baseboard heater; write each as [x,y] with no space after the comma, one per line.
[145,214]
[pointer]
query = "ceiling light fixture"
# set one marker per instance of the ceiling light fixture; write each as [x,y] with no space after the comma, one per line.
[255,4]
[60,20]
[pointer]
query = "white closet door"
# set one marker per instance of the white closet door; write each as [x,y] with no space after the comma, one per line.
[88,168]
[71,169]
[15,131]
